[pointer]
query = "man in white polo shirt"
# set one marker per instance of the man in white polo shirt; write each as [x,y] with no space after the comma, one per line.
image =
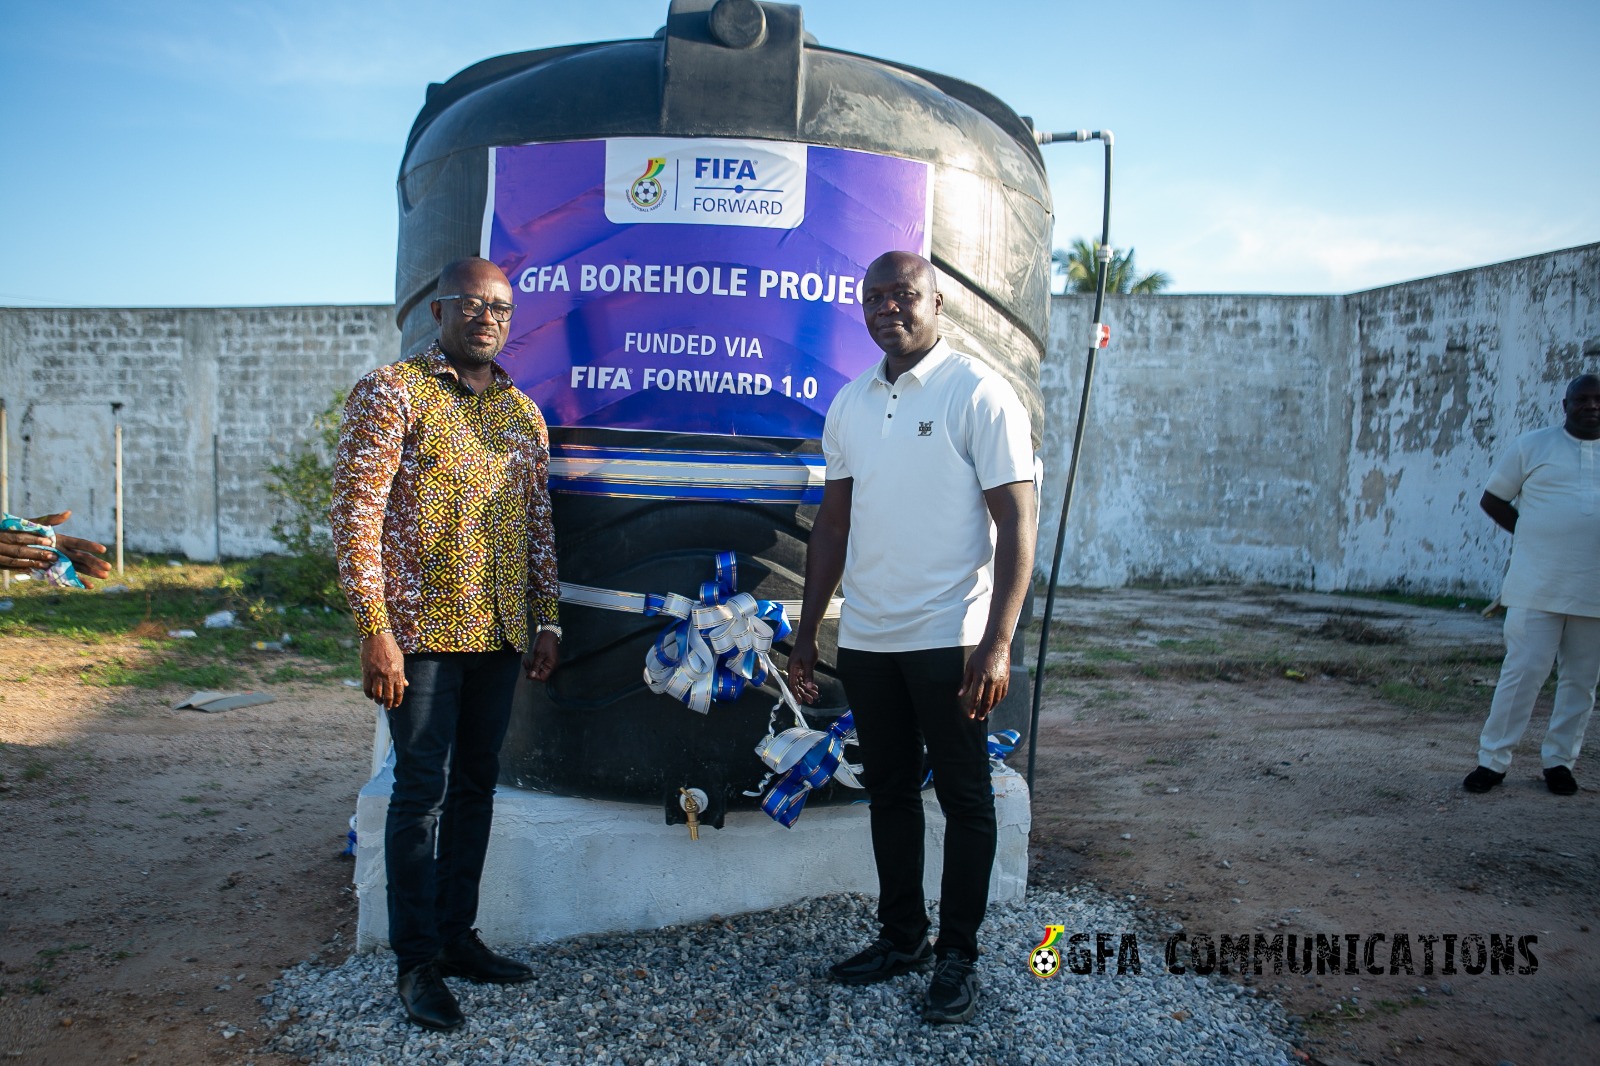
[929,482]
[1551,591]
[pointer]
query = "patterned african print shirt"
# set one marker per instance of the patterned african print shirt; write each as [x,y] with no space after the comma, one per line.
[441,509]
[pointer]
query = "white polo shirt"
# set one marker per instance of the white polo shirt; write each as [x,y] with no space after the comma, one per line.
[922,451]
[1553,478]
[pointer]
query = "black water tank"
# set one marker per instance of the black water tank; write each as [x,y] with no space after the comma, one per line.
[735,69]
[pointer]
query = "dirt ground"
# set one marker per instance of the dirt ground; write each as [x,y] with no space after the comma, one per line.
[1256,762]
[1240,761]
[161,867]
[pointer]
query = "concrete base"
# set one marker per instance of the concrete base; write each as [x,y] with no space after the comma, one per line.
[559,867]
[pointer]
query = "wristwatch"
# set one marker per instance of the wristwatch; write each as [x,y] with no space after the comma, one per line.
[548,627]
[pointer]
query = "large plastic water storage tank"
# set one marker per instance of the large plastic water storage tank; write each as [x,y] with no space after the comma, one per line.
[684,219]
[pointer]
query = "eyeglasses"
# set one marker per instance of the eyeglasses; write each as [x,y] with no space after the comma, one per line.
[472,307]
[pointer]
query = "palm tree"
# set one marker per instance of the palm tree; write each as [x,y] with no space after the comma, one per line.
[1082,270]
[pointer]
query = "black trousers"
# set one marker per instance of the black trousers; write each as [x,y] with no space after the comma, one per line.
[902,700]
[447,734]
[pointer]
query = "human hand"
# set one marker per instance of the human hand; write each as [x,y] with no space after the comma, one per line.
[21,550]
[24,551]
[987,677]
[383,669]
[802,663]
[542,657]
[87,556]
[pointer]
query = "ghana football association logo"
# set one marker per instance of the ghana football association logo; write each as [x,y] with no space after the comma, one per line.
[646,192]
[1044,961]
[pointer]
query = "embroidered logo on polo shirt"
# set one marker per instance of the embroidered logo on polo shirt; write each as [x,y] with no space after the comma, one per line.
[924,429]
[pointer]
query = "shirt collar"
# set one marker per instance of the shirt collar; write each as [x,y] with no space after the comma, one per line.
[925,367]
[438,365]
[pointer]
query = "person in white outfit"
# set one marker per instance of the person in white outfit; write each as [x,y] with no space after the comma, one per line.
[1546,493]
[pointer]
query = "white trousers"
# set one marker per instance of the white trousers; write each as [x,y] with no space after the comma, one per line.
[1536,640]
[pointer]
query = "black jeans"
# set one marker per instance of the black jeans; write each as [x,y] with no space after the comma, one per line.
[900,700]
[447,734]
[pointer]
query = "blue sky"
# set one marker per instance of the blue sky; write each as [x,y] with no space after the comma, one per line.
[206,153]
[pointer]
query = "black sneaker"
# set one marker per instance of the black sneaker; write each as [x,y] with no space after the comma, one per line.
[953,992]
[879,962]
[427,1000]
[1483,779]
[1559,779]
[467,957]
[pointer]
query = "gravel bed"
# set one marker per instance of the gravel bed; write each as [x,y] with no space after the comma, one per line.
[750,990]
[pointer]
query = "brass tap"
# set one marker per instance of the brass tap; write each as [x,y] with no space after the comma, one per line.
[691,807]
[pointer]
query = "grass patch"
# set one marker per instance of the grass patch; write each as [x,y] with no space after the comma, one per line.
[282,675]
[1447,687]
[163,599]
[1110,655]
[1445,603]
[1355,631]
[183,673]
[1198,645]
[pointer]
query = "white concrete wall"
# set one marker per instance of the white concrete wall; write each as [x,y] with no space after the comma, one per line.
[254,377]
[1312,441]
[1448,371]
[1211,451]
[1323,442]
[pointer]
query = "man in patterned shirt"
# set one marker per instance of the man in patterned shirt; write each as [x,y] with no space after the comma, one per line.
[441,523]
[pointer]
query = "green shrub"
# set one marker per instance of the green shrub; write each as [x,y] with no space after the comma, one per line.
[306,573]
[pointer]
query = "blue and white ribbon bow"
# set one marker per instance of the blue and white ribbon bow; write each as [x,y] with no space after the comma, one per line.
[1001,742]
[718,645]
[803,759]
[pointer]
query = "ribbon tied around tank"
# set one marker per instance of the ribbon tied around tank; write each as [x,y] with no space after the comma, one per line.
[803,759]
[1002,742]
[718,645]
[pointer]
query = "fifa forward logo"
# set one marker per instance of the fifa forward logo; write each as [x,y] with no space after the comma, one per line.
[1044,961]
[645,193]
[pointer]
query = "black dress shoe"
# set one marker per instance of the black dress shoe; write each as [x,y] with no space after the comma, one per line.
[428,1002]
[953,992]
[467,957]
[880,961]
[1482,780]
[1559,779]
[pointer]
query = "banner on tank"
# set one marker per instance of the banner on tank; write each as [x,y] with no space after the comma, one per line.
[694,285]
